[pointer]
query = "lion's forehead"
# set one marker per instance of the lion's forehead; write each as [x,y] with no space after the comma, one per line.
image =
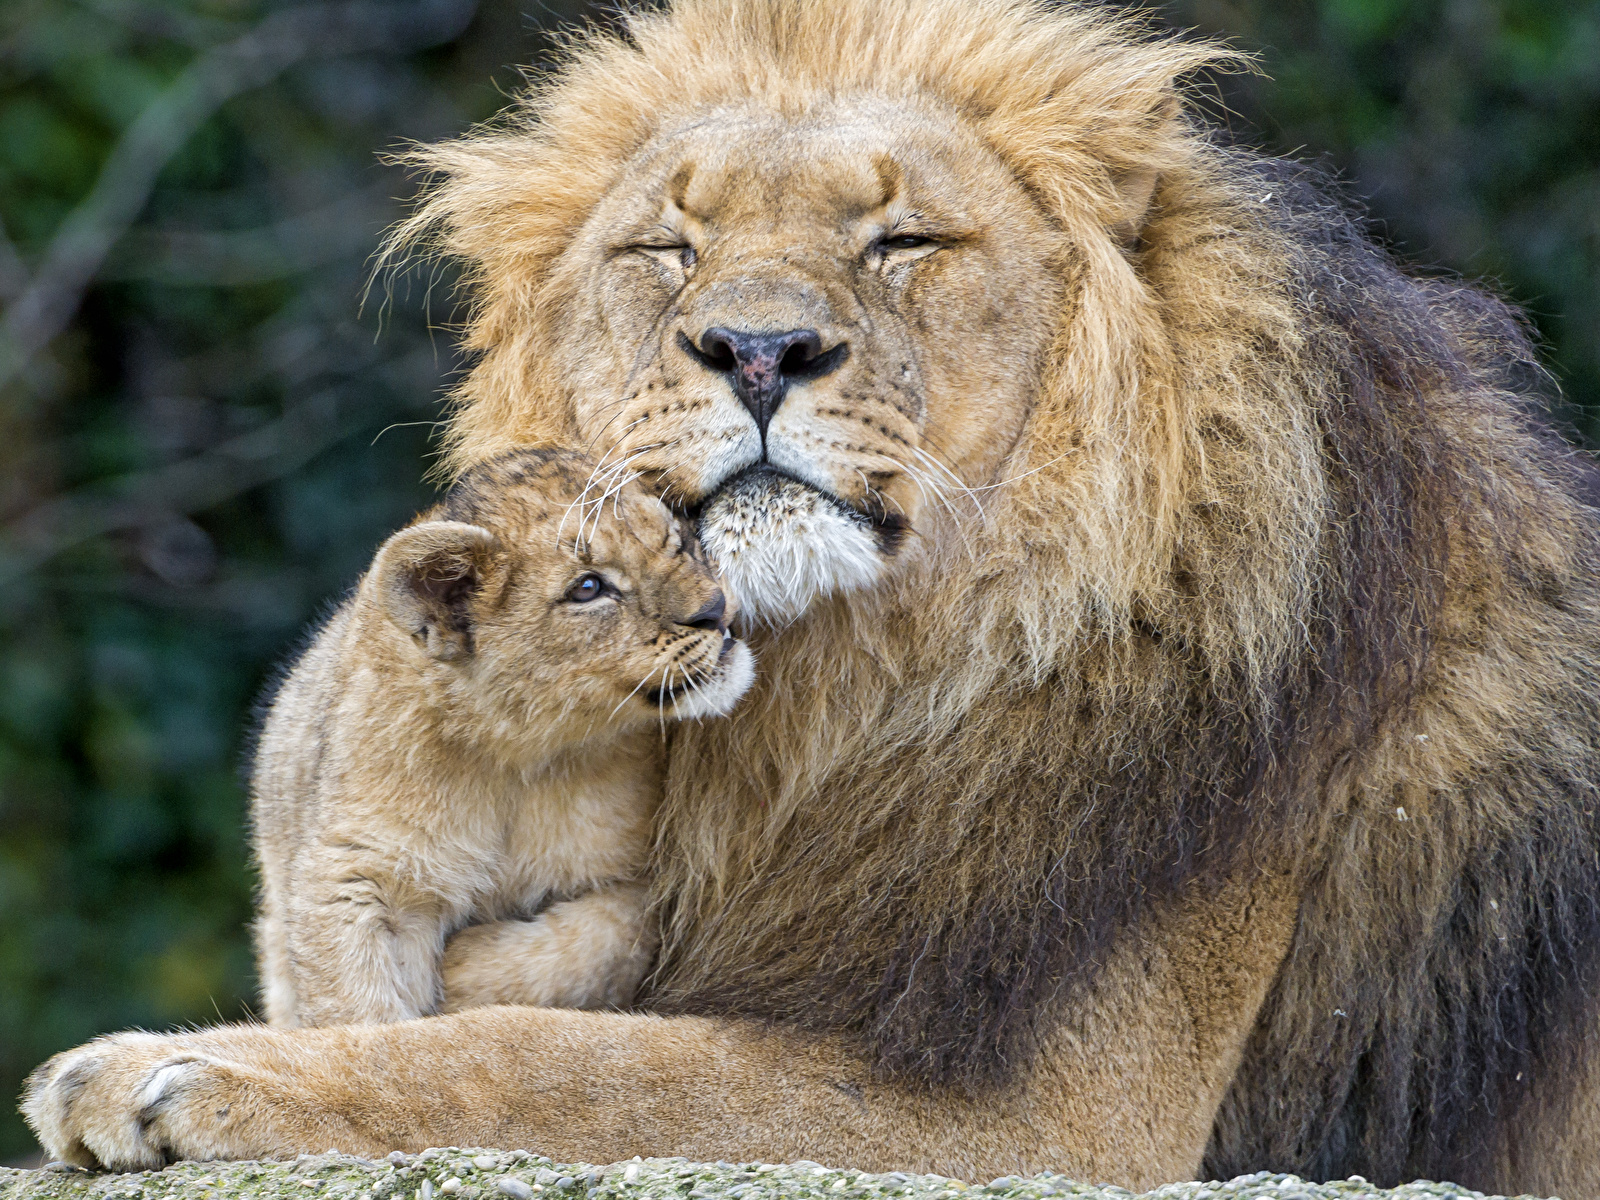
[751,168]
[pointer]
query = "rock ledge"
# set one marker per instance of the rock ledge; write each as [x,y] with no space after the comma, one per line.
[471,1174]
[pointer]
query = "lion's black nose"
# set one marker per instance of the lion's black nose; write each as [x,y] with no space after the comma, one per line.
[714,615]
[761,366]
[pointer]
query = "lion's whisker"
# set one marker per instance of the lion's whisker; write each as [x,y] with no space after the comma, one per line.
[613,488]
[927,483]
[934,460]
[610,473]
[879,492]
[613,493]
[589,449]
[593,509]
[601,465]
[989,487]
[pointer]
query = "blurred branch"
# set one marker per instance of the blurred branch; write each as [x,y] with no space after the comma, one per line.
[192,484]
[46,305]
[191,28]
[13,271]
[240,256]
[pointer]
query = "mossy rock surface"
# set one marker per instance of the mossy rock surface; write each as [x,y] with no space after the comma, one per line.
[456,1174]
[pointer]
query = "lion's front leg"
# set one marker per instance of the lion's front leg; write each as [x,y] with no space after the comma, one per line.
[1125,1089]
[576,1085]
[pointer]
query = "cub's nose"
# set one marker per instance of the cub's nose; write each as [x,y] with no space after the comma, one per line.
[760,366]
[713,616]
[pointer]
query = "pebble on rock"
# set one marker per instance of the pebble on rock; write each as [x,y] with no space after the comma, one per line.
[511,1186]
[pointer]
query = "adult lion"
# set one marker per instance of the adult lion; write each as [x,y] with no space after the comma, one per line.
[1176,740]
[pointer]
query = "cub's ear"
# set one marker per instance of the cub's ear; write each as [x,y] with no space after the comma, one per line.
[426,578]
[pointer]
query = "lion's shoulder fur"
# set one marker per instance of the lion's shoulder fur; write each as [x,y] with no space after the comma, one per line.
[1289,566]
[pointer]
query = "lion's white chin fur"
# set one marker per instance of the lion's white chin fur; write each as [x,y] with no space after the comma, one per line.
[782,545]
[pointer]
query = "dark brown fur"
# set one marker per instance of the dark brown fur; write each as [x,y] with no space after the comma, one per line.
[1455,969]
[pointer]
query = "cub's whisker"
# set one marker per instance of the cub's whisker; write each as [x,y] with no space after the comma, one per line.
[661,698]
[631,694]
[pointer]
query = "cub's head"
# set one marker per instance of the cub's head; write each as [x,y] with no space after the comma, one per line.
[559,600]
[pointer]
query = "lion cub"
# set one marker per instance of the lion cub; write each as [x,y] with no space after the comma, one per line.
[471,746]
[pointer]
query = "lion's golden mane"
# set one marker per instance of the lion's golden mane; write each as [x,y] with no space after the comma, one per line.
[1287,570]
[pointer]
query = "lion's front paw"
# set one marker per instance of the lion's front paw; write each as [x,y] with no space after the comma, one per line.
[133,1101]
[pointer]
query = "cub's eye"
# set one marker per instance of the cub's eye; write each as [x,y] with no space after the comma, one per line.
[904,241]
[590,587]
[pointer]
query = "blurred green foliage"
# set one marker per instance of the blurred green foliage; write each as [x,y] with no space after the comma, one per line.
[191,464]
[1471,129]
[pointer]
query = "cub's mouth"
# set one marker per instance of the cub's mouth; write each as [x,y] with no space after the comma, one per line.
[715,694]
[781,543]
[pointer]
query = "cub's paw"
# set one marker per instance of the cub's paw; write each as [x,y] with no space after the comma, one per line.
[133,1101]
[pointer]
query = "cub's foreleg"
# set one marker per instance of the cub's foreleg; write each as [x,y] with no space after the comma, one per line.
[275,966]
[590,952]
[364,944]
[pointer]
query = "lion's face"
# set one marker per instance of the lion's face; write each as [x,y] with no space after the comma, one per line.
[814,333]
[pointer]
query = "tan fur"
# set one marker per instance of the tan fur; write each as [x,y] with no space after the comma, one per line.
[1175,745]
[486,761]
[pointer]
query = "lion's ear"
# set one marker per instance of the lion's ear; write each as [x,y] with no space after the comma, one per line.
[426,579]
[1135,183]
[1135,189]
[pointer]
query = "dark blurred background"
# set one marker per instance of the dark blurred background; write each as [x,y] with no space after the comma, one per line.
[203,435]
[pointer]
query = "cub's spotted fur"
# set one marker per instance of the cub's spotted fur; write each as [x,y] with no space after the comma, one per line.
[454,787]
